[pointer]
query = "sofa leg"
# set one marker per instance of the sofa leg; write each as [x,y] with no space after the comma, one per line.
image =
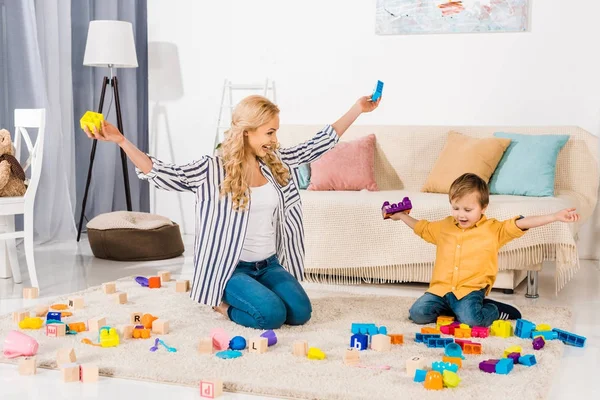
[532,285]
[508,291]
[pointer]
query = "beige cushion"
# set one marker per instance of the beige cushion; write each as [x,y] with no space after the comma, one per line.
[463,154]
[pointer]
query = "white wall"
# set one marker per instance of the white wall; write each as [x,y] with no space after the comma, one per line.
[324,54]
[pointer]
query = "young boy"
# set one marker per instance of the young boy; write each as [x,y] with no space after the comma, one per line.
[466,262]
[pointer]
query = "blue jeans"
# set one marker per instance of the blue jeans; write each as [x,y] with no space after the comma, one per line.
[469,310]
[263,295]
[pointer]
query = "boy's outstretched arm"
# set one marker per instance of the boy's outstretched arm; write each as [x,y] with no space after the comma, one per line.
[407,219]
[566,215]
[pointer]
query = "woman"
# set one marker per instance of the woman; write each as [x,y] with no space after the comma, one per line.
[249,244]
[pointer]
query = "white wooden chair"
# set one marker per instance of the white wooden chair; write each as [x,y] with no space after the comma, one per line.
[11,206]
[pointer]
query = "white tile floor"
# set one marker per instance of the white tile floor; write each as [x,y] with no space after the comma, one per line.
[67,267]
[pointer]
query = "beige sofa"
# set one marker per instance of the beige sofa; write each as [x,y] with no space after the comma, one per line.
[347,241]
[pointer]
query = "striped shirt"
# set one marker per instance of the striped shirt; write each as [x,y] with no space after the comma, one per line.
[220,231]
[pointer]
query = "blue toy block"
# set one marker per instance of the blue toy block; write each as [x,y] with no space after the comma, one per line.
[547,335]
[378,90]
[383,330]
[420,375]
[504,366]
[524,328]
[527,360]
[53,316]
[570,338]
[438,342]
[359,341]
[365,329]
[440,366]
[423,337]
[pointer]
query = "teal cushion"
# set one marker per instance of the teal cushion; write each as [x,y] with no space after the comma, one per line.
[528,165]
[304,176]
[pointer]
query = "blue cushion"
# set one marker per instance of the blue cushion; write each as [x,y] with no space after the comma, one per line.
[528,165]
[304,176]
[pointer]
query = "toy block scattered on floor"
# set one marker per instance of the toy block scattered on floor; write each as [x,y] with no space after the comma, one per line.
[538,343]
[515,357]
[76,303]
[300,348]
[488,366]
[154,282]
[433,381]
[56,330]
[127,331]
[443,320]
[397,338]
[547,335]
[165,276]
[136,318]
[381,342]
[182,286]
[352,357]
[523,328]
[543,327]
[258,345]
[423,338]
[65,356]
[109,287]
[472,348]
[160,326]
[89,373]
[53,316]
[364,329]
[95,324]
[453,360]
[31,293]
[77,327]
[462,332]
[120,298]
[31,323]
[462,342]
[70,372]
[420,375]
[147,320]
[27,366]
[449,328]
[480,332]
[512,349]
[271,337]
[205,346]
[314,353]
[570,338]
[504,366]
[40,311]
[441,366]
[438,342]
[210,389]
[527,360]
[19,316]
[430,330]
[415,363]
[359,341]
[501,328]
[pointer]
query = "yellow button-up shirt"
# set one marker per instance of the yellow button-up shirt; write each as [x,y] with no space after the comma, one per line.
[466,259]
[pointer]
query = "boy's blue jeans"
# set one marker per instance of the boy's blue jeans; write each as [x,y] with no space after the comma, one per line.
[263,295]
[469,310]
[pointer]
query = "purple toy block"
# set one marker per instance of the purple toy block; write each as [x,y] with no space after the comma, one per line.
[538,343]
[515,357]
[488,366]
[271,337]
[389,209]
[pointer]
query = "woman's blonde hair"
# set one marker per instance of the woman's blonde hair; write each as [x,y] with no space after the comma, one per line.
[251,113]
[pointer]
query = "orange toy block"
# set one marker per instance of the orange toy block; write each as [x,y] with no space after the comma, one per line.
[205,346]
[352,357]
[397,338]
[76,303]
[165,276]
[160,326]
[59,307]
[89,373]
[210,389]
[429,330]
[453,360]
[109,287]
[258,345]
[128,331]
[462,332]
[141,333]
[154,282]
[65,356]
[444,320]
[433,381]
[381,342]
[27,366]
[472,348]
[95,324]
[182,286]
[300,348]
[40,311]
[120,298]
[31,293]
[56,330]
[70,372]
[147,320]
[77,326]
[136,318]
[19,316]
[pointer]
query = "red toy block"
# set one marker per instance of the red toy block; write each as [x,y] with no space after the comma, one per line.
[154,282]
[480,331]
[462,343]
[449,329]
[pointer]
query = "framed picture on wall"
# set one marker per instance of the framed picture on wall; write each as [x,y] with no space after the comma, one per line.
[406,17]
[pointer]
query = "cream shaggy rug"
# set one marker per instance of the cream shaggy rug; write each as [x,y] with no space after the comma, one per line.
[278,373]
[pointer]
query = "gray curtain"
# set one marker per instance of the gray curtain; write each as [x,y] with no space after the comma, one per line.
[107,191]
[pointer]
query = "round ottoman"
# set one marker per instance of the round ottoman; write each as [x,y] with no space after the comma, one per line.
[134,236]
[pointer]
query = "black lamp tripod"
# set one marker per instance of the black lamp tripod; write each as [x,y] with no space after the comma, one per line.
[115,86]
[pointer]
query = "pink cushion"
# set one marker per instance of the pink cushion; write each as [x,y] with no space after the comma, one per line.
[348,166]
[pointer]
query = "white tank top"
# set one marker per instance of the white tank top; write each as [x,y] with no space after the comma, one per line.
[259,243]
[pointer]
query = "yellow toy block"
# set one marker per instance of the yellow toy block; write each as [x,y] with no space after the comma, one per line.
[31,323]
[443,320]
[501,328]
[91,119]
[512,349]
[543,327]
[109,337]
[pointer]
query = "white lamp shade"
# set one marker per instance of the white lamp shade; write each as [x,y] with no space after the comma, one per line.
[110,44]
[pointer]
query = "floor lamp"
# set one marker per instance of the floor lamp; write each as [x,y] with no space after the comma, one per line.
[109,44]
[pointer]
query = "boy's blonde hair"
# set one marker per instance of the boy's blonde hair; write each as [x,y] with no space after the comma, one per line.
[467,184]
[250,113]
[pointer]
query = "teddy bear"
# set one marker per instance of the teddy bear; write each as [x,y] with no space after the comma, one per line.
[12,176]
